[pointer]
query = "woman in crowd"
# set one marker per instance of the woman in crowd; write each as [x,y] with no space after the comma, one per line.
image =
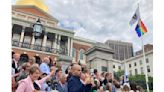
[31,83]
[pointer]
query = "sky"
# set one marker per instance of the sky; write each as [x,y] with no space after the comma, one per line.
[100,20]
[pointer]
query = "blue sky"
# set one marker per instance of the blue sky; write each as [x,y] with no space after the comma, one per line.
[101,20]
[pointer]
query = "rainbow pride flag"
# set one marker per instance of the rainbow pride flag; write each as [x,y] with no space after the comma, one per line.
[140,29]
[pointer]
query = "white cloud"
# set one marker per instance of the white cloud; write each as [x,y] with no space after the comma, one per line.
[103,19]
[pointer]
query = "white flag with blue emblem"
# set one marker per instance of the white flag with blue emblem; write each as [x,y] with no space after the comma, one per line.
[135,17]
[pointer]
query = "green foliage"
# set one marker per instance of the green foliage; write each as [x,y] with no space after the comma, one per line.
[118,74]
[140,80]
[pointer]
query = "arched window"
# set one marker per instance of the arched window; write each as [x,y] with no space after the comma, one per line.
[73,52]
[82,54]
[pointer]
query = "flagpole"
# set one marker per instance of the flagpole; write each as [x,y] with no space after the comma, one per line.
[144,62]
[124,72]
[144,59]
[136,17]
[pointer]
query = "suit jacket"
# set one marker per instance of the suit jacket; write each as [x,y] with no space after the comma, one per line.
[62,88]
[14,66]
[75,85]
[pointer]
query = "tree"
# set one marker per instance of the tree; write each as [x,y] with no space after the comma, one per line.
[118,74]
[140,80]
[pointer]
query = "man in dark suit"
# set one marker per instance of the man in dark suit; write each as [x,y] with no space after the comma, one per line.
[15,62]
[62,85]
[74,83]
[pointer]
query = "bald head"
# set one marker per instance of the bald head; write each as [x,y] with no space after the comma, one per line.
[76,70]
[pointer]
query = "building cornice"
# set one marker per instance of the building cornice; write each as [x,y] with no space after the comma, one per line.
[14,7]
[96,48]
[118,41]
[116,61]
[52,28]
[138,56]
[76,38]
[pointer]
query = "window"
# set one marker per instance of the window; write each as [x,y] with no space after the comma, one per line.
[119,67]
[135,64]
[82,54]
[48,43]
[16,37]
[140,62]
[113,66]
[38,44]
[130,72]
[27,39]
[15,40]
[48,46]
[130,66]
[74,52]
[103,68]
[148,68]
[142,70]
[147,60]
[26,42]
[136,72]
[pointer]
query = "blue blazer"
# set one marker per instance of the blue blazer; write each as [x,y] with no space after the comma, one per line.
[75,85]
[62,89]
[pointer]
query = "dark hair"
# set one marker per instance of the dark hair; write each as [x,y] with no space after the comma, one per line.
[102,74]
[133,86]
[66,71]
[85,70]
[106,75]
[95,71]
[58,70]
[108,87]
[13,54]
[116,85]
[79,63]
[44,74]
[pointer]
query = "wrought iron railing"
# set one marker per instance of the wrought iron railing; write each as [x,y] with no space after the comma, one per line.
[25,45]
[37,47]
[62,51]
[15,43]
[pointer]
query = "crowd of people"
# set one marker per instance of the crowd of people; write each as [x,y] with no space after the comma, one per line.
[46,76]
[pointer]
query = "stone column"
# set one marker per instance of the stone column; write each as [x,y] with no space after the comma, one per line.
[33,41]
[55,43]
[110,66]
[22,36]
[59,38]
[71,47]
[68,47]
[44,41]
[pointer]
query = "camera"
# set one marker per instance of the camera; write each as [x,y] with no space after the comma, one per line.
[54,84]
